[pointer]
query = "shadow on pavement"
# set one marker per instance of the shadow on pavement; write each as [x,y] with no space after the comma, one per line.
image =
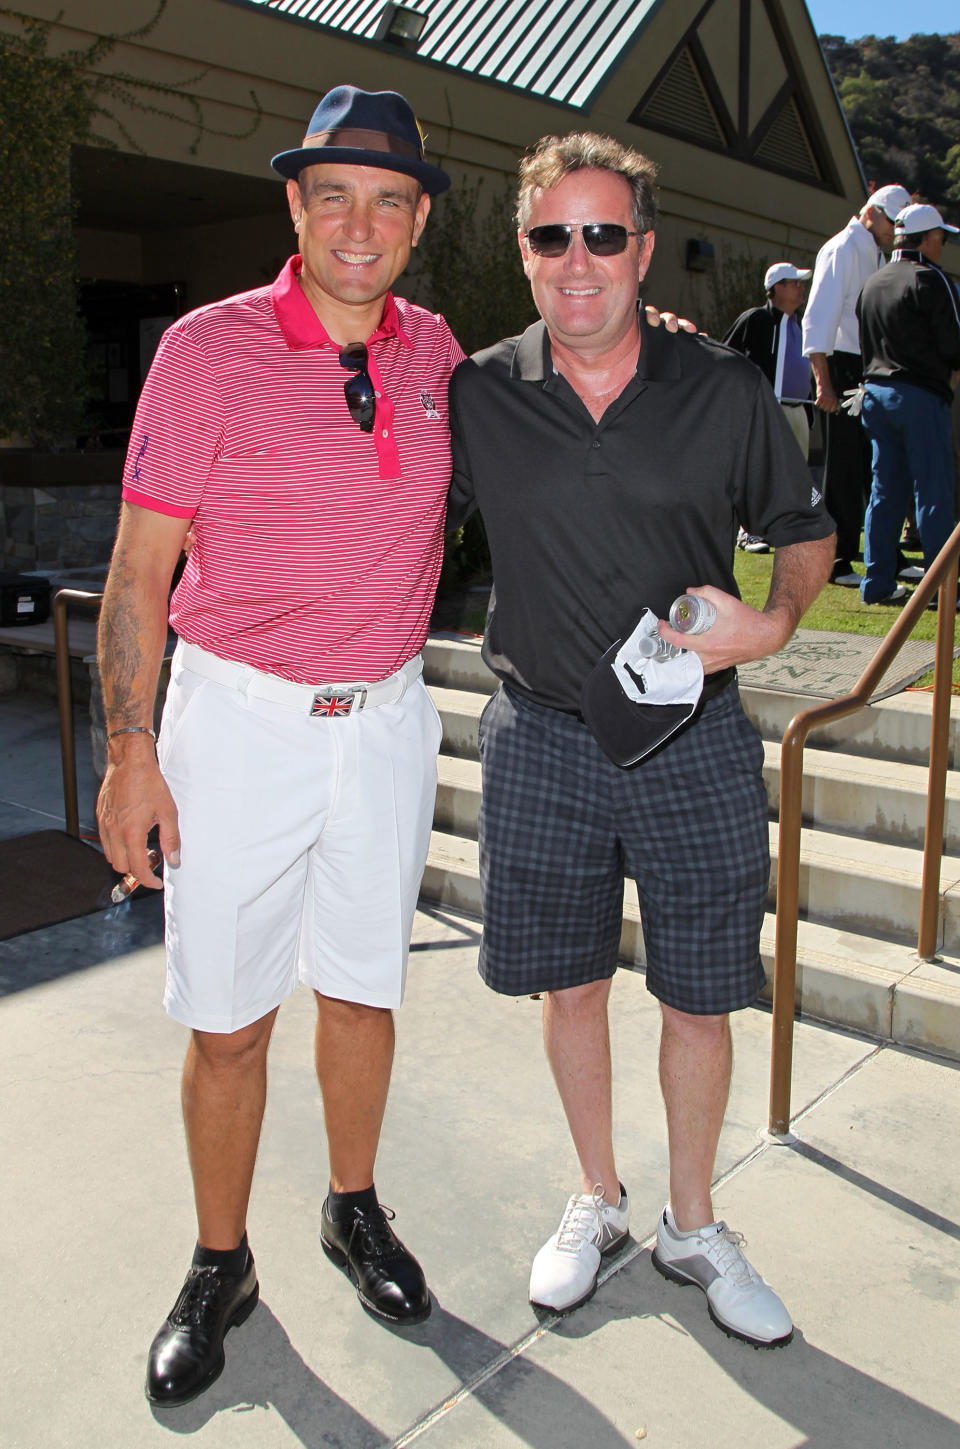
[827,1400]
[877,1189]
[265,1371]
[56,951]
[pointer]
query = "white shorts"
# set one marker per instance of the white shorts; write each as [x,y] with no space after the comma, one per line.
[303,842]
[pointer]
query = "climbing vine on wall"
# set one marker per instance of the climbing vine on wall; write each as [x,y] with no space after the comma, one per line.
[49,102]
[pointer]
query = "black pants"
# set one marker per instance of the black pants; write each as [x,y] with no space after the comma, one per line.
[846,473]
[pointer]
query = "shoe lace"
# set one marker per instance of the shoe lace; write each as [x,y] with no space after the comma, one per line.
[726,1248]
[377,1236]
[197,1297]
[582,1222]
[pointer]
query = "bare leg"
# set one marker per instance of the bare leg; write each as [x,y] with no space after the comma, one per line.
[223,1092]
[354,1059]
[577,1041]
[696,1056]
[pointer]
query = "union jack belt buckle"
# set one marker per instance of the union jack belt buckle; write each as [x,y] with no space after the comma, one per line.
[327,705]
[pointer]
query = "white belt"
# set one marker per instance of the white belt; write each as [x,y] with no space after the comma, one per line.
[323,701]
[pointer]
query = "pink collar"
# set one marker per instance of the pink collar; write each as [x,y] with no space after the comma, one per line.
[299,323]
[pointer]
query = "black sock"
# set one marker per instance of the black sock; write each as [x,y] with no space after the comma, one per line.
[231,1260]
[341,1205]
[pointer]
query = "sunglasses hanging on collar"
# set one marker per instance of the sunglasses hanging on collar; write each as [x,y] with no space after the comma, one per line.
[359,390]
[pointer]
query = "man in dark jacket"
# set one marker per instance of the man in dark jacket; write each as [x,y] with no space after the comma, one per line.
[910,340]
[770,336]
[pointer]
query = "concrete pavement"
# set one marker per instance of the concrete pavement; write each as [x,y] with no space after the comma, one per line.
[856,1223]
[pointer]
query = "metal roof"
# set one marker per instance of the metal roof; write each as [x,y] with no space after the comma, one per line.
[562,50]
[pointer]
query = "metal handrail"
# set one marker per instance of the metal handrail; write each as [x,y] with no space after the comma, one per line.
[943,575]
[68,750]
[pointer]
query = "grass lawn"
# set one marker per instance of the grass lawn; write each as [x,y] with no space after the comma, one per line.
[835,610]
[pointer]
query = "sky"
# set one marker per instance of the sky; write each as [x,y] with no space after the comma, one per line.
[853,18]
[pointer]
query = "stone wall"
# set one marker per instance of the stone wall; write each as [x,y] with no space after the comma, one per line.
[57,510]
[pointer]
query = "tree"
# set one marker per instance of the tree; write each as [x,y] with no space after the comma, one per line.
[43,102]
[470,259]
[902,101]
[48,102]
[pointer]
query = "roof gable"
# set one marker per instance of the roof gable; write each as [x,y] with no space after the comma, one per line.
[734,84]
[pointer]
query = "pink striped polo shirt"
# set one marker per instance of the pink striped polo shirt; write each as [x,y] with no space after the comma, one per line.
[318,546]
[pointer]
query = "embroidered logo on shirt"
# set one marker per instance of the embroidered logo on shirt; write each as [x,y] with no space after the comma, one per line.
[429,406]
[136,461]
[815,496]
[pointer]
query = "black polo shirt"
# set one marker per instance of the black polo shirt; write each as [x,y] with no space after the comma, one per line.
[909,317]
[589,522]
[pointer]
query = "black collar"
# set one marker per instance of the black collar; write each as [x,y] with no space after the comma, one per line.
[659,359]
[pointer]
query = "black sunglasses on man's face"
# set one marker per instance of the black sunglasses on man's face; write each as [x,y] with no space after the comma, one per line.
[601,238]
[359,390]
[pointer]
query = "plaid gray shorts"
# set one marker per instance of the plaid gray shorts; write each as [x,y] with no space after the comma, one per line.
[560,827]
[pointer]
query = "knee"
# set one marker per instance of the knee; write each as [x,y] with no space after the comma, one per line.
[235,1050]
[705,1030]
[347,1014]
[579,1001]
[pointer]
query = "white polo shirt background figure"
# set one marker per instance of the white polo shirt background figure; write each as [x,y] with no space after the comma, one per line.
[831,340]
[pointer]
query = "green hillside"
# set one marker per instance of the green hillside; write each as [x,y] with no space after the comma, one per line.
[902,101]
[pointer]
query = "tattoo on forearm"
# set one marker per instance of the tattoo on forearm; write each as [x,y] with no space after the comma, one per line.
[120,647]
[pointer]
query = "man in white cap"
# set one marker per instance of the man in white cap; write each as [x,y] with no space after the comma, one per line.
[770,337]
[910,338]
[831,340]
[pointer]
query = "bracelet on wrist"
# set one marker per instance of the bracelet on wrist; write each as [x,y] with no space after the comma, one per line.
[132,730]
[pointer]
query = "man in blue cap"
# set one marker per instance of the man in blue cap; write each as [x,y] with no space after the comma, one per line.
[300,430]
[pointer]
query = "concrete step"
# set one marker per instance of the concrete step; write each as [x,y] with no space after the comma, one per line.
[883,799]
[850,882]
[896,729]
[863,984]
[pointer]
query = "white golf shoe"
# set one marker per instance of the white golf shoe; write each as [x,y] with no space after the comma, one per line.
[564,1272]
[738,1299]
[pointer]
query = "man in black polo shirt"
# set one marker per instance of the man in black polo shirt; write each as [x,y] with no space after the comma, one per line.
[612,465]
[910,341]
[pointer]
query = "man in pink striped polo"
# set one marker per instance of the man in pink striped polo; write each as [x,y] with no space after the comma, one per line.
[301,430]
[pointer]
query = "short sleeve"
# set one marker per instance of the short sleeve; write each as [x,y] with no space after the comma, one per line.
[824,310]
[461,500]
[177,431]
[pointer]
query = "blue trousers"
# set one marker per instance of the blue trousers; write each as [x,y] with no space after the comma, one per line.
[909,432]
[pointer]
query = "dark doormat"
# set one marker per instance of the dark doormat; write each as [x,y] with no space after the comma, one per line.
[49,877]
[828,665]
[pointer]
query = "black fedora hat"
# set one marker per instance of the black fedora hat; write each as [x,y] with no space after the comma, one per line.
[364,128]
